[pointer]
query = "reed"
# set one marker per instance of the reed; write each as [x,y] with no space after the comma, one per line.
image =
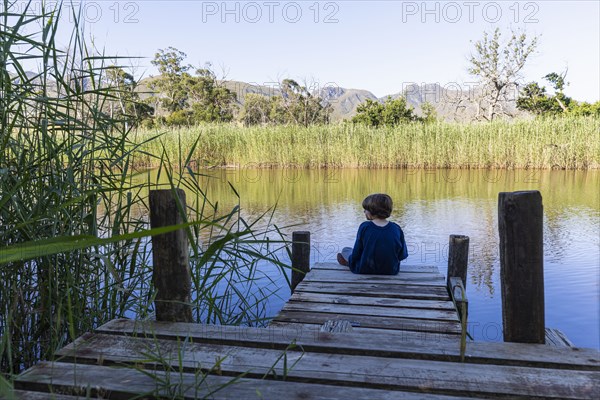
[71,203]
[544,143]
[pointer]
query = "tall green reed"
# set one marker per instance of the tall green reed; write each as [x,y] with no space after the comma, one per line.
[62,156]
[70,200]
[544,143]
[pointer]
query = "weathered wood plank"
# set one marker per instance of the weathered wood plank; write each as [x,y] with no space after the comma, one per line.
[555,337]
[373,301]
[370,372]
[125,383]
[369,340]
[349,310]
[376,290]
[403,268]
[27,395]
[364,341]
[407,324]
[403,278]
[336,326]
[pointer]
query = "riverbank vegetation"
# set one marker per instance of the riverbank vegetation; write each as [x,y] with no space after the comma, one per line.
[66,178]
[562,142]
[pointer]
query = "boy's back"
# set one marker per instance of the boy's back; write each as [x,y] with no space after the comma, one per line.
[378,249]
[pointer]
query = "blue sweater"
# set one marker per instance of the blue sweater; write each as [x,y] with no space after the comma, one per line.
[378,250]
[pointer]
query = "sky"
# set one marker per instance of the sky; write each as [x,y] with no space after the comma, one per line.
[380,46]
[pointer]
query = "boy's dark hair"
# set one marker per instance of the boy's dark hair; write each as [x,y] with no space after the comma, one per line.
[378,204]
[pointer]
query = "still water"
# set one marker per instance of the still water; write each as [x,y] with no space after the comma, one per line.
[432,204]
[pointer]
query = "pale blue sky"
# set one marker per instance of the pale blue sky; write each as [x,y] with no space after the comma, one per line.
[374,45]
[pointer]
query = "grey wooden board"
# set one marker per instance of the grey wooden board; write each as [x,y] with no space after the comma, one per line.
[364,371]
[376,334]
[364,341]
[406,278]
[336,325]
[403,268]
[373,301]
[376,290]
[125,383]
[555,337]
[409,324]
[28,395]
[375,311]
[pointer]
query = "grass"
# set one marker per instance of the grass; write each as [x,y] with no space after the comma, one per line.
[550,143]
[74,239]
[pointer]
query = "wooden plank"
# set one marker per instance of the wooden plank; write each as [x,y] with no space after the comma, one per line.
[403,268]
[555,337]
[364,341]
[407,278]
[336,326]
[349,310]
[373,301]
[125,383]
[364,371]
[435,344]
[27,395]
[376,290]
[407,324]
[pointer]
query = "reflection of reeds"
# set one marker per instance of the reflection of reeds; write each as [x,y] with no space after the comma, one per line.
[552,143]
[65,172]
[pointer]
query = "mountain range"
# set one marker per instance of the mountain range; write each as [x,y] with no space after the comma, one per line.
[450,104]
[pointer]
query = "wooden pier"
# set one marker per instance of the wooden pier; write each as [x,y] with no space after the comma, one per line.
[401,339]
[340,336]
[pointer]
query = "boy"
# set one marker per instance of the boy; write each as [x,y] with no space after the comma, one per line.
[380,244]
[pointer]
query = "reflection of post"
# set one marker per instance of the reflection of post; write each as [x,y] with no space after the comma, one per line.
[171,272]
[300,256]
[520,225]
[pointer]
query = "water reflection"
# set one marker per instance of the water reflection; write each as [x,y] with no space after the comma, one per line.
[432,204]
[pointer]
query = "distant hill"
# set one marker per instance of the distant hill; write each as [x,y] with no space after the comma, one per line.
[344,101]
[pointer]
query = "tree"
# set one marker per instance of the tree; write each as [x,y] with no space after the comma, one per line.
[396,111]
[210,101]
[294,105]
[429,112]
[558,81]
[126,104]
[585,109]
[392,112]
[369,113]
[299,105]
[498,67]
[190,99]
[257,109]
[170,82]
[535,99]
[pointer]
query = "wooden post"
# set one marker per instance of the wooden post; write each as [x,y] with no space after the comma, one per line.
[520,225]
[456,276]
[300,257]
[458,258]
[171,272]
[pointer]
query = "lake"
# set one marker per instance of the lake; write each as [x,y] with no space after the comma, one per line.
[430,205]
